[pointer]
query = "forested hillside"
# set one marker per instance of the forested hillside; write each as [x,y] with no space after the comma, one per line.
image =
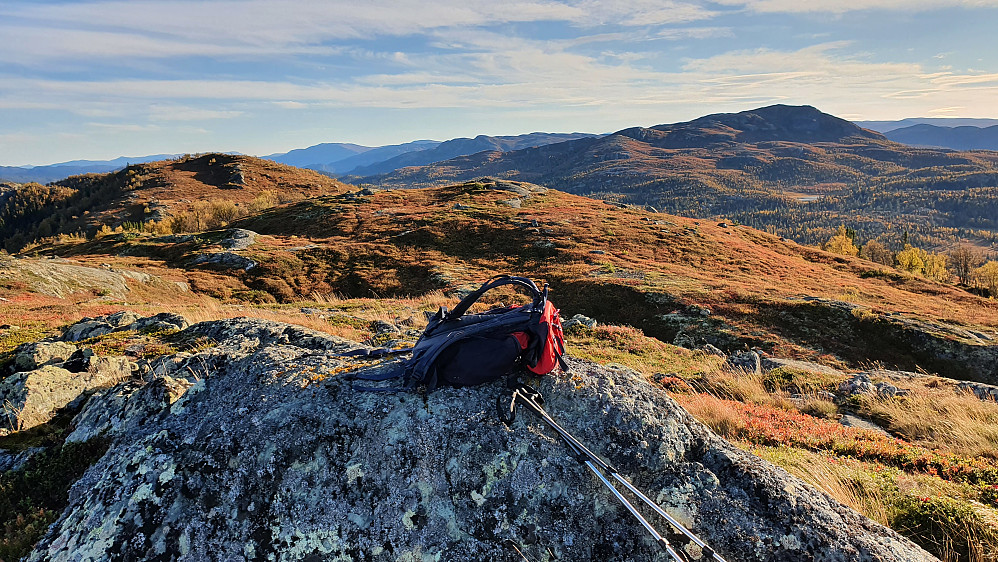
[793,171]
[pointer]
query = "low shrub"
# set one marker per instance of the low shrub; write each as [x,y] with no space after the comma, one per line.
[32,497]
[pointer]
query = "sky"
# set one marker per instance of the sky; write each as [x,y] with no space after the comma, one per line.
[102,79]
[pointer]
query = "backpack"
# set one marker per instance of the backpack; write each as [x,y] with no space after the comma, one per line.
[461,349]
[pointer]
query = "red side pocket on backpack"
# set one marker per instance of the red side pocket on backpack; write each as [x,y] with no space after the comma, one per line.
[552,342]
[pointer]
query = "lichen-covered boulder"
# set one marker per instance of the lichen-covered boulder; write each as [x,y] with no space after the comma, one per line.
[113,411]
[31,356]
[161,321]
[31,398]
[271,454]
[120,321]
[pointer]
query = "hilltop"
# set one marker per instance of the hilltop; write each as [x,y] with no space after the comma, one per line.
[150,192]
[788,169]
[622,265]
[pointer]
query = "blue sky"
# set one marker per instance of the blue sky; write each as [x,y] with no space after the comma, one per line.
[103,79]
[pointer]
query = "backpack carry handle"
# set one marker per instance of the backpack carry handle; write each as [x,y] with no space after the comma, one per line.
[497,281]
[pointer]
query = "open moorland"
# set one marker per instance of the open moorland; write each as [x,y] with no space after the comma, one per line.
[871,383]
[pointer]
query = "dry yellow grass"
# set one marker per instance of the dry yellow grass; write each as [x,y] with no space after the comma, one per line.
[941,418]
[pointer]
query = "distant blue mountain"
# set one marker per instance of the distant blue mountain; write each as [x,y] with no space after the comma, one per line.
[375,155]
[959,138]
[887,126]
[318,155]
[464,147]
[332,158]
[53,172]
[355,160]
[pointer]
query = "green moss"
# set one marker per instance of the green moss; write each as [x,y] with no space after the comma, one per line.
[32,497]
[146,343]
[798,381]
[10,339]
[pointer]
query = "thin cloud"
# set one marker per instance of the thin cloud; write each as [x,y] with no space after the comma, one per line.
[221,28]
[676,34]
[843,6]
[182,113]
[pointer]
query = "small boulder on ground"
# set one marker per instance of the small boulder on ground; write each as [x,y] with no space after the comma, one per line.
[579,320]
[225,260]
[747,360]
[860,383]
[239,239]
[161,321]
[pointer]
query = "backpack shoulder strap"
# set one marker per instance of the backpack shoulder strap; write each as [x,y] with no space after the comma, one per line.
[495,282]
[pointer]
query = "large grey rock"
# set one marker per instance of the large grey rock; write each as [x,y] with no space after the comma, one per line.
[239,239]
[31,356]
[61,278]
[33,397]
[263,459]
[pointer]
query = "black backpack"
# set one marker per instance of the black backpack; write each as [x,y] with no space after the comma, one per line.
[461,349]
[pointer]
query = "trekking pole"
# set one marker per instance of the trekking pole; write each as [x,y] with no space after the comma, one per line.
[533,400]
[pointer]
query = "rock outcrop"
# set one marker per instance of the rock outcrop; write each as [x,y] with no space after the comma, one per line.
[265,451]
[60,277]
[120,321]
[46,376]
[31,398]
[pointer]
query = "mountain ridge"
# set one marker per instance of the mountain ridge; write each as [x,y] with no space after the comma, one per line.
[957,138]
[791,169]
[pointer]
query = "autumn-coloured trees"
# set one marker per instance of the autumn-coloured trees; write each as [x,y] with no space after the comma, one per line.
[986,277]
[876,252]
[841,243]
[964,259]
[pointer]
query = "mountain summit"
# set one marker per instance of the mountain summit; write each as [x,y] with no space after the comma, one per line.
[791,123]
